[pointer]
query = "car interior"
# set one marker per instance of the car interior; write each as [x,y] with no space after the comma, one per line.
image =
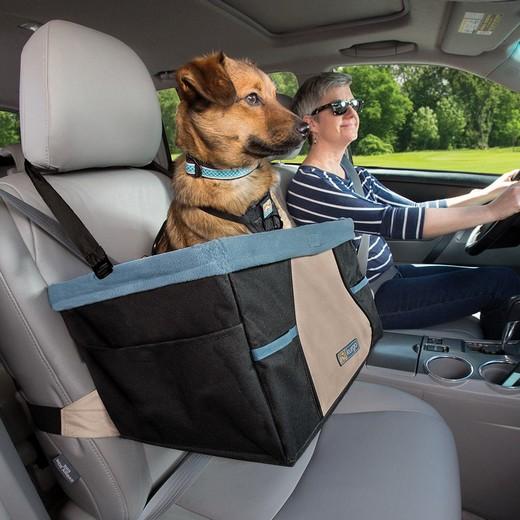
[425,432]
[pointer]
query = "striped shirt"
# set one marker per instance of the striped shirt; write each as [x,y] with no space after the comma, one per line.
[315,195]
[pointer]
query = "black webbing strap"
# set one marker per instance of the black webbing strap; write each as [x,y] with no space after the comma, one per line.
[261,216]
[87,245]
[437,250]
[358,188]
[46,418]
[155,166]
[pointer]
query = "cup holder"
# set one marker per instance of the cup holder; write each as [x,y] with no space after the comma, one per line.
[494,373]
[448,370]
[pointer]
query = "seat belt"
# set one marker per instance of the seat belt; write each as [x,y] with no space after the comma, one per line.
[353,175]
[43,221]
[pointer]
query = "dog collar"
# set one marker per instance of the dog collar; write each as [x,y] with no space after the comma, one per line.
[193,167]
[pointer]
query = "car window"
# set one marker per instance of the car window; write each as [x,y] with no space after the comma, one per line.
[9,128]
[286,82]
[434,118]
[169,101]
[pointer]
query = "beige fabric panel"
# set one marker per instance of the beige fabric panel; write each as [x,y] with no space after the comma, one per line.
[87,417]
[328,321]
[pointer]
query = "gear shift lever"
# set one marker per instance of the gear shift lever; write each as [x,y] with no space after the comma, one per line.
[510,348]
[510,344]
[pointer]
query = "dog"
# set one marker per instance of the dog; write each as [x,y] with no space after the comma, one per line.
[229,122]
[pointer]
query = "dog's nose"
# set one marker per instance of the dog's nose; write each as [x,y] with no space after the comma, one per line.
[303,128]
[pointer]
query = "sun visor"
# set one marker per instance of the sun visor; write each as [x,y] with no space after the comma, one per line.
[290,18]
[477,27]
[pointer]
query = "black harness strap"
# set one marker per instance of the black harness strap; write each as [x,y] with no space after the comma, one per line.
[259,217]
[87,245]
[46,418]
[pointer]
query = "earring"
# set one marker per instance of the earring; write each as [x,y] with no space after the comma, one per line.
[314,139]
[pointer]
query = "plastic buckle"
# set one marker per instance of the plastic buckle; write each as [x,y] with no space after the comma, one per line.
[196,165]
[103,268]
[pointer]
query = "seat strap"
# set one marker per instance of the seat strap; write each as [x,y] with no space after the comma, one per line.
[85,418]
[44,222]
[182,478]
[89,248]
[358,188]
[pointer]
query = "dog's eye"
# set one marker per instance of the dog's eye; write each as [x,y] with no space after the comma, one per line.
[253,99]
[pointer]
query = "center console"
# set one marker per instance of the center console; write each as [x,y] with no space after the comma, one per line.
[464,381]
[449,361]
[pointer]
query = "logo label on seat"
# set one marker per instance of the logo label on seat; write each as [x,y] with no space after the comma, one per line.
[65,468]
[347,352]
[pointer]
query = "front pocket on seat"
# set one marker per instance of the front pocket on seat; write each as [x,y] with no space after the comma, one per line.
[198,392]
[288,388]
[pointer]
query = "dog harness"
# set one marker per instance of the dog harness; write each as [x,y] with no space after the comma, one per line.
[197,169]
[261,216]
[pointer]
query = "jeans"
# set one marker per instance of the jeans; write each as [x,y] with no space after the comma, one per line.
[420,296]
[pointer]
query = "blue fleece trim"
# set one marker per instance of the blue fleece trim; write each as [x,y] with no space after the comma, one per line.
[217,257]
[260,353]
[356,288]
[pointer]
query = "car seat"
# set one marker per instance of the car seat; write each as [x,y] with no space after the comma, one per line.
[90,115]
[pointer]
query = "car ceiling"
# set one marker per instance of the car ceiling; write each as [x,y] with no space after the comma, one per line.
[303,36]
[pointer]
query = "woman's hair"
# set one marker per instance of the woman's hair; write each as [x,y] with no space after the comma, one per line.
[313,89]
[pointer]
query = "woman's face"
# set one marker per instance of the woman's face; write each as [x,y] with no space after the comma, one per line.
[338,130]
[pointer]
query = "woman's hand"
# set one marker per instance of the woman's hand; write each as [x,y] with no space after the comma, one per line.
[508,203]
[497,187]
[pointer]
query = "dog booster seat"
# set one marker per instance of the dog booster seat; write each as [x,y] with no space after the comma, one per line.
[239,347]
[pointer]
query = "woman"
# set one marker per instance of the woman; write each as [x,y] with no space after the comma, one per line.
[406,296]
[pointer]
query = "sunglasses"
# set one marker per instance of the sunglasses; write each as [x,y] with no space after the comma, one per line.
[340,106]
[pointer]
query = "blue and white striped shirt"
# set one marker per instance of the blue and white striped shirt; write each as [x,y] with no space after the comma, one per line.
[315,195]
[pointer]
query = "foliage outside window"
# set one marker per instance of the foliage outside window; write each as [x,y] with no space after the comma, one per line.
[169,101]
[9,128]
[286,82]
[435,114]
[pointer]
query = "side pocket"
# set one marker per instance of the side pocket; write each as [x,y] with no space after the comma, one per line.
[285,377]
[200,394]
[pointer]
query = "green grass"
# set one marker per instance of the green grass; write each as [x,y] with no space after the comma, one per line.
[492,160]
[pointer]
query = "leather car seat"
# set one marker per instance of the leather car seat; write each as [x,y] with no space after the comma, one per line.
[90,114]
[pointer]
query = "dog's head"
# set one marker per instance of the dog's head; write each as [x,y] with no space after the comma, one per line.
[229,114]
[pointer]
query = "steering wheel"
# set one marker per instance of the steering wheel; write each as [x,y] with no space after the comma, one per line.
[502,233]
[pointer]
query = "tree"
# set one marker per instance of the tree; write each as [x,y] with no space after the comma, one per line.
[425,85]
[451,122]
[372,145]
[9,128]
[169,101]
[481,98]
[286,82]
[424,131]
[512,128]
[507,119]
[386,107]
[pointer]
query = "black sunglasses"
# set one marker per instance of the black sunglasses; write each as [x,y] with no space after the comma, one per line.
[340,106]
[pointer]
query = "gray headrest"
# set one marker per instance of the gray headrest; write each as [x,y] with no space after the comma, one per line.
[86,101]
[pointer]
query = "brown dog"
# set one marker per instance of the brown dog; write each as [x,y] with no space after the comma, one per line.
[228,122]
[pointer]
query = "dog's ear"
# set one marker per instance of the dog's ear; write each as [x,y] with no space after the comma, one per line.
[205,80]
